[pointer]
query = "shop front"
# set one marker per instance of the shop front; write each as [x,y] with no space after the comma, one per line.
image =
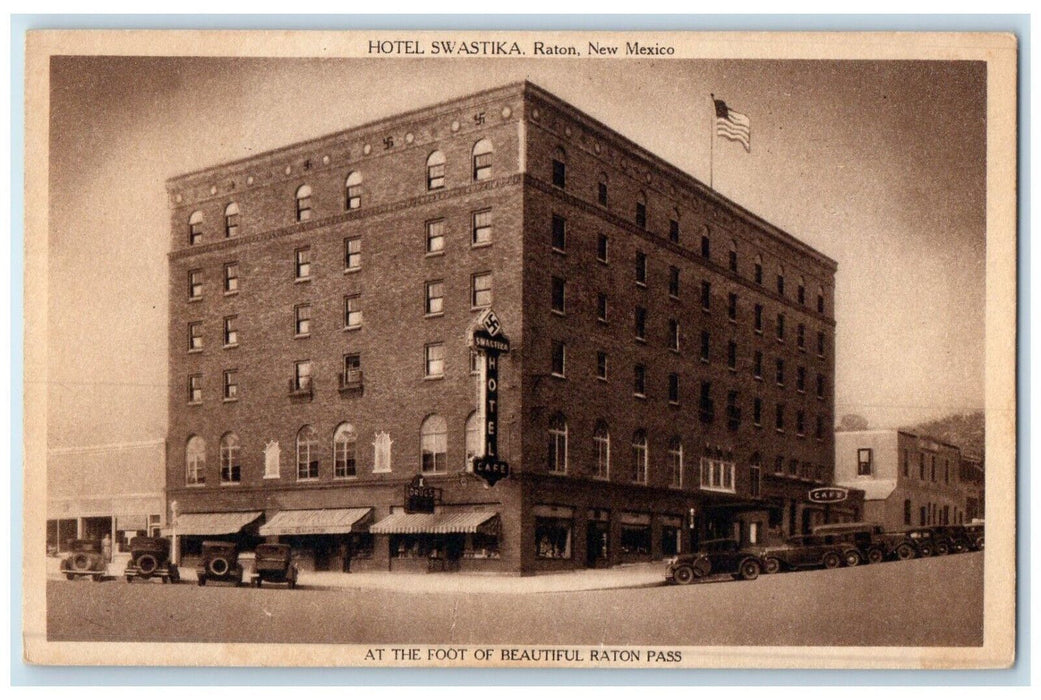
[598,538]
[636,536]
[190,530]
[448,540]
[326,539]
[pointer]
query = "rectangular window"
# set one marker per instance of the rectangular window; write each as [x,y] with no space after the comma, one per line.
[864,461]
[558,235]
[195,336]
[780,284]
[800,294]
[907,462]
[435,236]
[921,466]
[352,311]
[559,174]
[482,227]
[434,360]
[352,253]
[231,384]
[641,323]
[601,307]
[552,535]
[706,295]
[351,371]
[302,320]
[303,263]
[755,479]
[601,248]
[733,261]
[601,365]
[435,298]
[732,355]
[674,388]
[800,423]
[932,469]
[759,318]
[705,343]
[733,411]
[231,221]
[195,230]
[717,475]
[231,332]
[674,335]
[194,285]
[820,386]
[757,411]
[302,376]
[820,303]
[559,358]
[640,380]
[194,388]
[820,428]
[757,365]
[602,443]
[231,278]
[557,301]
[779,418]
[475,362]
[641,215]
[482,166]
[675,464]
[641,268]
[780,326]
[674,282]
[706,407]
[800,379]
[436,175]
[758,272]
[732,306]
[907,512]
[780,372]
[601,193]
[800,336]
[674,231]
[705,245]
[820,344]
[481,290]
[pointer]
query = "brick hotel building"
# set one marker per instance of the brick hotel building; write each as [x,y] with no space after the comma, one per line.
[670,377]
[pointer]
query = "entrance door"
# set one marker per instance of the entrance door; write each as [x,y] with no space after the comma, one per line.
[596,543]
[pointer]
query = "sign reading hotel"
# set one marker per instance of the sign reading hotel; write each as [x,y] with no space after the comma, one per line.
[489,340]
[829,494]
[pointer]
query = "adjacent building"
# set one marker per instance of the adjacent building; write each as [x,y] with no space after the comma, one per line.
[671,364]
[908,480]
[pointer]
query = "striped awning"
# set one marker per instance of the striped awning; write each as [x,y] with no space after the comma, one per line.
[213,523]
[325,521]
[438,523]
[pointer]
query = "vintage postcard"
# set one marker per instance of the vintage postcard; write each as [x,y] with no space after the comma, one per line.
[510,349]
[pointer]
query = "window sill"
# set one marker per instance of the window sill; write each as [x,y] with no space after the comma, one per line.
[272,476]
[352,477]
[800,391]
[602,321]
[234,400]
[192,300]
[195,351]
[351,270]
[733,370]
[674,403]
[230,483]
[601,379]
[674,350]
[642,341]
[758,331]
[482,244]
[557,312]
[555,375]
[306,479]
[779,430]
[801,348]
[780,340]
[301,280]
[198,485]
[674,297]
[703,360]
[706,309]
[299,336]
[732,319]
[602,261]
[642,397]
[434,254]
[229,346]
[480,308]
[436,314]
[433,377]
[641,284]
[352,328]
[231,293]
[717,489]
[558,251]
[757,378]
[195,403]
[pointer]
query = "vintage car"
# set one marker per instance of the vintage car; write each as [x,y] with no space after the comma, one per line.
[974,531]
[150,556]
[925,539]
[810,551]
[866,537]
[957,537]
[219,562]
[714,557]
[85,559]
[274,564]
[898,545]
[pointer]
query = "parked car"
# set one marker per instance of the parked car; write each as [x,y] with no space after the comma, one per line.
[974,531]
[274,564]
[866,537]
[150,556]
[899,545]
[809,551]
[958,539]
[714,557]
[219,562]
[925,539]
[85,559]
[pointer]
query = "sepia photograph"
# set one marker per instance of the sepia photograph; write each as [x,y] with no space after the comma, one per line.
[520,349]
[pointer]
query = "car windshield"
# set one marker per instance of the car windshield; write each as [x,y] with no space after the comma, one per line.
[272,551]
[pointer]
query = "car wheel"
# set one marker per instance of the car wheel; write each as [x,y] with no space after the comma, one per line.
[684,575]
[750,569]
[202,580]
[81,561]
[942,549]
[147,564]
[218,566]
[832,560]
[852,558]
[874,556]
[905,552]
[771,565]
[926,550]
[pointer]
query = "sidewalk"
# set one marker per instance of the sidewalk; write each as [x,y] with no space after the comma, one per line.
[641,575]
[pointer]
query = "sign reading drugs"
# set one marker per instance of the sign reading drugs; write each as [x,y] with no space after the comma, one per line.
[420,498]
[829,494]
[489,340]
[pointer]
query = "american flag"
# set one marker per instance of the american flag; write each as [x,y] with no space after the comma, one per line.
[733,125]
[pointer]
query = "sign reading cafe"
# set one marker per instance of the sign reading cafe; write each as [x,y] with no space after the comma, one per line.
[489,340]
[829,494]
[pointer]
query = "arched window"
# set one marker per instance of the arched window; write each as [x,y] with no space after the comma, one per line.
[352,186]
[433,443]
[758,269]
[559,168]
[436,170]
[820,300]
[345,451]
[639,473]
[780,280]
[602,446]
[303,203]
[705,242]
[482,160]
[558,444]
[230,472]
[474,439]
[641,210]
[307,453]
[674,226]
[195,460]
[231,220]
[601,190]
[732,255]
[195,228]
[676,461]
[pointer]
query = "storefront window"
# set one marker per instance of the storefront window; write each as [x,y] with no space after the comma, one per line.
[553,538]
[636,539]
[482,546]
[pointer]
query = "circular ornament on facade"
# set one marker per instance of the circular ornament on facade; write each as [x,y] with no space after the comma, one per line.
[455,126]
[366,149]
[289,169]
[647,177]
[567,131]
[410,137]
[596,146]
[325,160]
[535,113]
[249,180]
[178,197]
[213,189]
[506,112]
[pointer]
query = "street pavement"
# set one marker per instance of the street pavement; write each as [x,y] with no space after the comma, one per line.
[923,602]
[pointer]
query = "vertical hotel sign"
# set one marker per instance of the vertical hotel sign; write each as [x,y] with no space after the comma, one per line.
[489,340]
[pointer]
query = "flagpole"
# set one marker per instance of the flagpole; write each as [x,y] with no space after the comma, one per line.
[711,138]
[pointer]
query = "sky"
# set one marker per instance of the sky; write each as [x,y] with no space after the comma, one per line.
[879,165]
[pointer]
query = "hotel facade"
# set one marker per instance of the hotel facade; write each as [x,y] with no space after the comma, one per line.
[671,363]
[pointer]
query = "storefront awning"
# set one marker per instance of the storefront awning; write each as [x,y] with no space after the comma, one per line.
[438,523]
[326,521]
[213,523]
